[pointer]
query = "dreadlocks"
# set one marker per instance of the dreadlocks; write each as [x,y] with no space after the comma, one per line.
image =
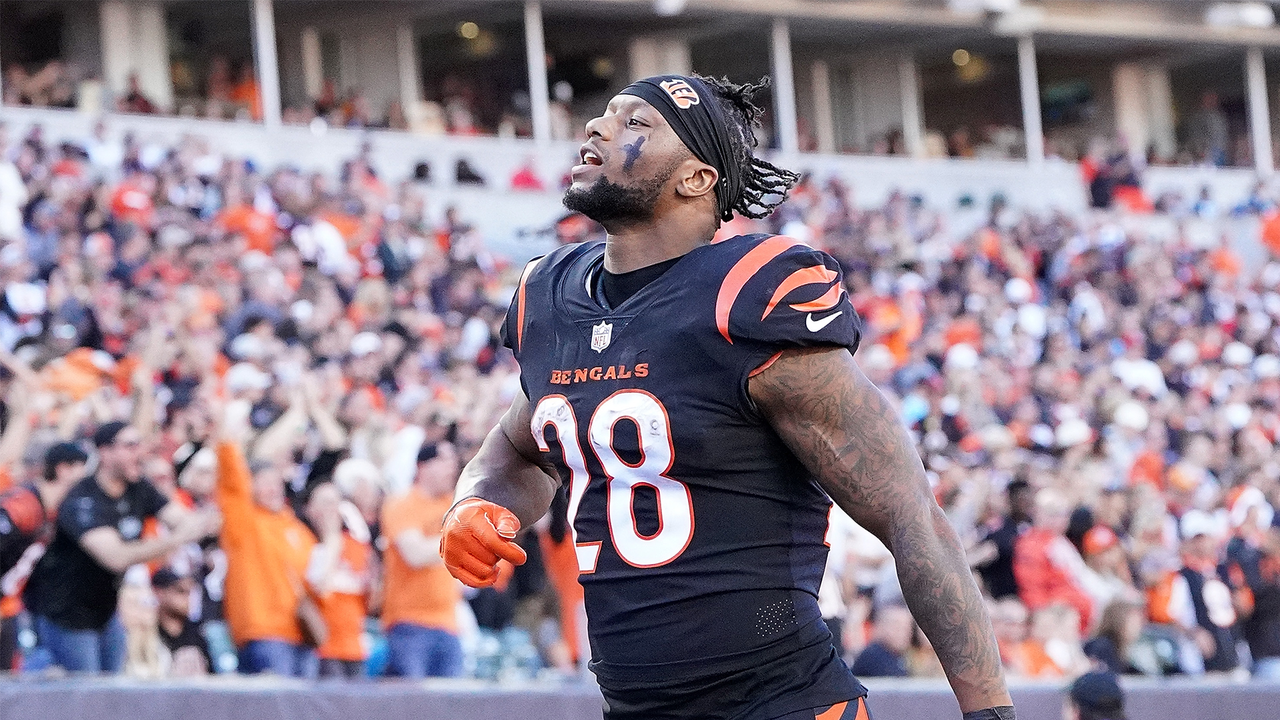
[764,185]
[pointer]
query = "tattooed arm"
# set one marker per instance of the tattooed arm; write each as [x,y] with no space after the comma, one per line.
[836,421]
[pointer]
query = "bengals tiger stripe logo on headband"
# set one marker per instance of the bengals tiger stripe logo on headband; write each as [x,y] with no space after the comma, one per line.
[681,92]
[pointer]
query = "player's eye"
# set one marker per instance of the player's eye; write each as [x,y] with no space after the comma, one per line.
[635,122]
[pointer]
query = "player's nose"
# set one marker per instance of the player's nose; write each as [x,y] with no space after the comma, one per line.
[598,127]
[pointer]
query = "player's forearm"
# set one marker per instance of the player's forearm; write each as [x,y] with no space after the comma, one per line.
[939,588]
[836,422]
[500,474]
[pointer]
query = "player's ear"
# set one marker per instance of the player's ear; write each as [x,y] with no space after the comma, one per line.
[696,179]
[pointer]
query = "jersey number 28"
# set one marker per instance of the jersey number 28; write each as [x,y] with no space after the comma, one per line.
[675,506]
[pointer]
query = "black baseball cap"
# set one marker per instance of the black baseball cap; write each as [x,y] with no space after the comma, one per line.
[106,434]
[428,452]
[1099,693]
[165,577]
[64,453]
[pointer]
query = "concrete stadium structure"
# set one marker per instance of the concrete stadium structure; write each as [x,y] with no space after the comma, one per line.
[845,70]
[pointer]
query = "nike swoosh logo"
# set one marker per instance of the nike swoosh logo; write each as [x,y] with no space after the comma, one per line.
[816,325]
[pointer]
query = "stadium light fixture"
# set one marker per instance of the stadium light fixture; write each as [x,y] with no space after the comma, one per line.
[960,57]
[468,30]
[1240,15]
[667,8]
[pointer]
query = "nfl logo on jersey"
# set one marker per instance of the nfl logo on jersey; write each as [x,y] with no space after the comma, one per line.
[601,335]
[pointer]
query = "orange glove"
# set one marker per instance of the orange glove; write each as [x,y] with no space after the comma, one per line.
[476,534]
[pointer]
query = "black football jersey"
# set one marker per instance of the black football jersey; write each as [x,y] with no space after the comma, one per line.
[699,535]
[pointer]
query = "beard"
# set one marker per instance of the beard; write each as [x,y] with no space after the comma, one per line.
[608,202]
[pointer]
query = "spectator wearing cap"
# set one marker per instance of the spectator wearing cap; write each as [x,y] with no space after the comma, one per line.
[99,536]
[340,575]
[186,643]
[245,381]
[1095,696]
[1203,602]
[363,491]
[364,364]
[1048,567]
[27,516]
[1111,578]
[418,612]
[268,549]
[1253,569]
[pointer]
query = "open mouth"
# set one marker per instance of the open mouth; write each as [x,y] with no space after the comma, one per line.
[589,157]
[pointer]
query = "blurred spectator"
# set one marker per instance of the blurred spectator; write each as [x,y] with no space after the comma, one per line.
[1095,696]
[526,177]
[188,649]
[891,635]
[339,575]
[133,101]
[464,174]
[1207,133]
[99,536]
[1054,648]
[27,524]
[1253,557]
[1204,600]
[419,610]
[1009,622]
[1118,631]
[13,192]
[245,93]
[1048,567]
[1104,555]
[993,557]
[146,657]
[268,549]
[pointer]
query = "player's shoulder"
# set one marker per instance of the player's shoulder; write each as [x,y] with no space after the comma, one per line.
[558,262]
[772,279]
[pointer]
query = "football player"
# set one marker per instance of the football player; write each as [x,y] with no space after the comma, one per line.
[703,406]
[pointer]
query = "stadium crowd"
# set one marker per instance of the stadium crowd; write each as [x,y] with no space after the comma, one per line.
[236,400]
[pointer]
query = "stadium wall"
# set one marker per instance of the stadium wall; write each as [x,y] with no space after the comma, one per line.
[274,699]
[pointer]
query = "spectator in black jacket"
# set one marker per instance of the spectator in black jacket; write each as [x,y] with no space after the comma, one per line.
[1209,596]
[995,551]
[27,515]
[1253,567]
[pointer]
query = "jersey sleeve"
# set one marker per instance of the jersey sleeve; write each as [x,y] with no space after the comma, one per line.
[796,299]
[512,331]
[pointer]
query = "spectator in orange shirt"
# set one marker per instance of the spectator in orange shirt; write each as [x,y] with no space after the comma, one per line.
[1054,649]
[339,575]
[421,596]
[268,549]
[245,93]
[132,200]
[1009,623]
[1047,566]
[242,218]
